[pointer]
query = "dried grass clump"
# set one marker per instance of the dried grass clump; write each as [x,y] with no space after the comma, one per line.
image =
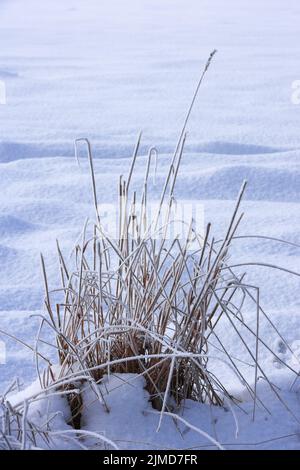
[145,304]
[142,303]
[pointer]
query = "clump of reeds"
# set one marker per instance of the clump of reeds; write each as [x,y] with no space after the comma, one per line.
[142,303]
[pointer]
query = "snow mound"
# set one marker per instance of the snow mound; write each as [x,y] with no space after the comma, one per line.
[4,73]
[233,148]
[11,225]
[272,184]
[7,254]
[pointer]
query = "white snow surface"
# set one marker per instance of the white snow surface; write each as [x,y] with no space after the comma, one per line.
[128,421]
[105,70]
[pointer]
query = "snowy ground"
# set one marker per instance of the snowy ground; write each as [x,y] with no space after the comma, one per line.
[105,70]
[131,422]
